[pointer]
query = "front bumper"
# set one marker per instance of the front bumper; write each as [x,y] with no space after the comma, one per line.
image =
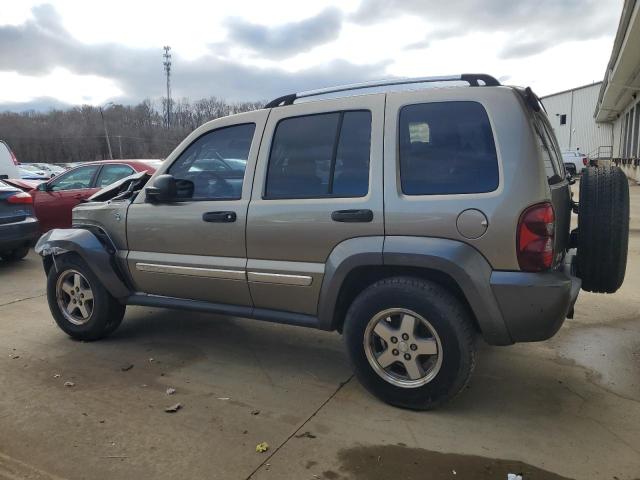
[18,234]
[534,305]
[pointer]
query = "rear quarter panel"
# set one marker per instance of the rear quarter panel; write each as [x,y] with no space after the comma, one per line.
[522,179]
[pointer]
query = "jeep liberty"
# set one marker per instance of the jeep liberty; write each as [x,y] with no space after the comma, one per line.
[413,216]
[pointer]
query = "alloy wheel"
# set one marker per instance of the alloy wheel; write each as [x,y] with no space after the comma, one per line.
[403,348]
[75,297]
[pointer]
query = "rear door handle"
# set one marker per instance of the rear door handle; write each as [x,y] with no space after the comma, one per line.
[219,217]
[364,215]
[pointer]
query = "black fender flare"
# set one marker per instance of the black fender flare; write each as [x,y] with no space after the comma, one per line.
[458,260]
[85,243]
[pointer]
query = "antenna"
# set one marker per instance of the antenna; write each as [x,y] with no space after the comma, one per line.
[167,69]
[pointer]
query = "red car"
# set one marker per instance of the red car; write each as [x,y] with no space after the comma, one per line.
[54,200]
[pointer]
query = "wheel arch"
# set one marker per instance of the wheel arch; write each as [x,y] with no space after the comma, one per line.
[452,264]
[89,246]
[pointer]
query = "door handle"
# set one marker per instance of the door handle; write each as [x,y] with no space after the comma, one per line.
[219,217]
[364,215]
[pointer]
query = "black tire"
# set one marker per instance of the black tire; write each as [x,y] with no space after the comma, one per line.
[449,319]
[107,313]
[603,229]
[15,254]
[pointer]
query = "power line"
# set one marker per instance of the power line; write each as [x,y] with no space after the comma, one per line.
[167,68]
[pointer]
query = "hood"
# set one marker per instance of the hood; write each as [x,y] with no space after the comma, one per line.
[132,183]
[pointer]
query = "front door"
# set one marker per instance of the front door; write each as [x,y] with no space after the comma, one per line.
[318,183]
[194,248]
[55,201]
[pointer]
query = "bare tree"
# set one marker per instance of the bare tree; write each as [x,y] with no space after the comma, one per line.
[138,131]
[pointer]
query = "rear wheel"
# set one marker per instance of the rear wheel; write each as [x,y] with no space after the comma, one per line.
[79,303]
[15,254]
[412,344]
[603,229]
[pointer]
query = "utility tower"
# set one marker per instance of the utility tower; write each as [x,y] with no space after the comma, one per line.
[167,69]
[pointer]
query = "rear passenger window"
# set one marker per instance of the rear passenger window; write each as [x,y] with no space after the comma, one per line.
[112,173]
[446,148]
[323,155]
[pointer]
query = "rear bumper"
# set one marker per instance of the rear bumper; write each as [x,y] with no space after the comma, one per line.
[18,234]
[534,305]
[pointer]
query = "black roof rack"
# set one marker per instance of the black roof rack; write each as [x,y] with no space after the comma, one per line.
[473,79]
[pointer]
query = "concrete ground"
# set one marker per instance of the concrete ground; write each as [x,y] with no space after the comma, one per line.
[565,408]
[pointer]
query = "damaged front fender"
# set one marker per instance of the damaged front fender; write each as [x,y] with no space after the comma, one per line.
[85,244]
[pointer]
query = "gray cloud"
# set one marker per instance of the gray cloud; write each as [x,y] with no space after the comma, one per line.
[288,39]
[436,35]
[526,47]
[531,26]
[418,45]
[42,44]
[37,104]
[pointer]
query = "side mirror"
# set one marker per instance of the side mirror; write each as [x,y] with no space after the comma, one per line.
[163,189]
[43,187]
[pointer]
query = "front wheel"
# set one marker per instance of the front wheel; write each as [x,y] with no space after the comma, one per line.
[79,303]
[411,342]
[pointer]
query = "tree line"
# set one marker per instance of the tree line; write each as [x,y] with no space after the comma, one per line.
[135,131]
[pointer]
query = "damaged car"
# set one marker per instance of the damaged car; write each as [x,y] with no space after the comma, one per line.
[413,216]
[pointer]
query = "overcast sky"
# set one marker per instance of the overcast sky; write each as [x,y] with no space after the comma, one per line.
[65,52]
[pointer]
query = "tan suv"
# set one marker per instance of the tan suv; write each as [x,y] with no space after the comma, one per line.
[410,215]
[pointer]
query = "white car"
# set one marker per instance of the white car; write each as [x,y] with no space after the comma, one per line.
[30,172]
[8,162]
[49,169]
[574,161]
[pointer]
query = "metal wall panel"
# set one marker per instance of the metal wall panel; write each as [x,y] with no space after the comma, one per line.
[581,130]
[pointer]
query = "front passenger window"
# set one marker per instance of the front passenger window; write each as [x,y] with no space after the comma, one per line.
[75,180]
[216,163]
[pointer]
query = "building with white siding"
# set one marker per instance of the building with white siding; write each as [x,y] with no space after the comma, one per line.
[571,116]
[619,97]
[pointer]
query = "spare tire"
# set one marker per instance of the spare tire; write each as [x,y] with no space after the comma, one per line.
[603,229]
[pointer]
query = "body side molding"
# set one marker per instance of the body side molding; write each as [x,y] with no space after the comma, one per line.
[288,318]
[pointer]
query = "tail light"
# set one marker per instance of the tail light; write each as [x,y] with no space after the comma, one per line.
[585,161]
[535,235]
[13,157]
[20,198]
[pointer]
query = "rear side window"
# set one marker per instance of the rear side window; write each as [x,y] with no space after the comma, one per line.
[553,165]
[446,148]
[112,173]
[322,155]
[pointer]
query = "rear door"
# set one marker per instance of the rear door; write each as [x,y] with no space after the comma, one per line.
[53,206]
[194,248]
[111,173]
[318,183]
